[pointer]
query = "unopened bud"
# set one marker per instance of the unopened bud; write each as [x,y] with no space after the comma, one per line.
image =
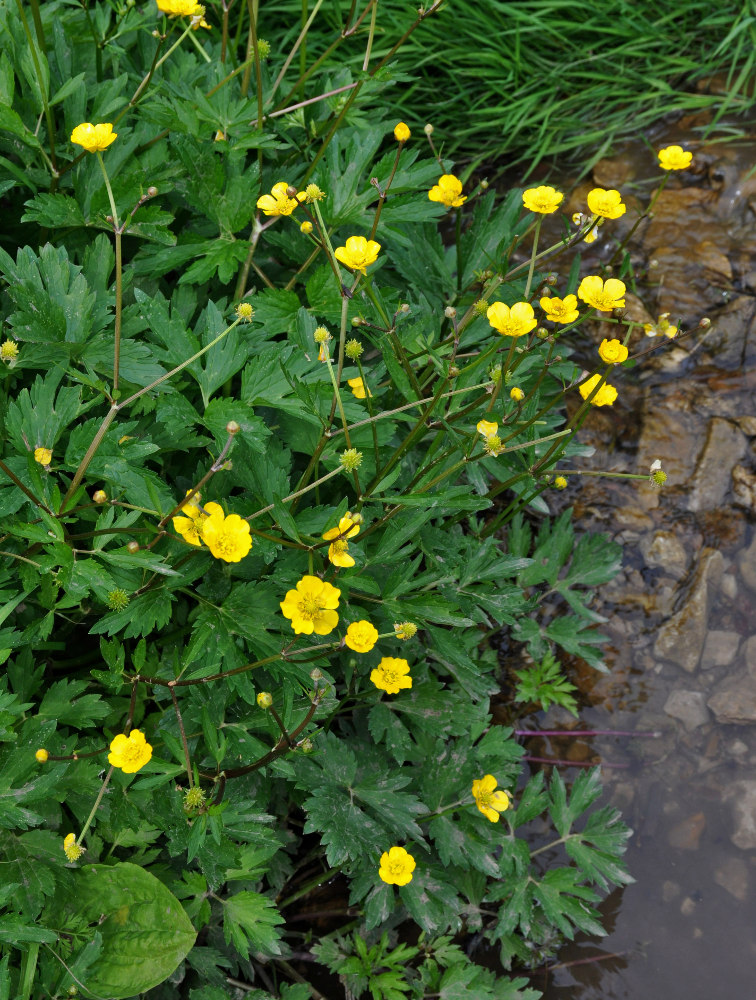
[265,699]
[133,547]
[450,312]
[306,227]
[307,746]
[291,191]
[484,185]
[705,323]
[355,518]
[560,483]
[404,308]
[316,675]
[232,427]
[453,371]
[42,755]
[152,191]
[516,394]
[428,129]
[542,333]
[100,496]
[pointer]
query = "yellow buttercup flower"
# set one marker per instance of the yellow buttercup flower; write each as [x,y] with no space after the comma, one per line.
[178,8]
[338,551]
[72,850]
[602,295]
[401,132]
[604,397]
[358,387]
[361,636]
[612,351]
[189,523]
[43,456]
[661,326]
[516,394]
[514,322]
[279,201]
[674,158]
[396,867]
[94,138]
[448,191]
[228,538]
[130,753]
[560,310]
[607,204]
[543,199]
[358,253]
[486,427]
[391,675]
[490,802]
[311,607]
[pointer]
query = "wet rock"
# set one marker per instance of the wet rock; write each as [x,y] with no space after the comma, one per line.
[749,651]
[729,586]
[726,340]
[734,700]
[744,487]
[681,639]
[689,707]
[725,446]
[671,434]
[733,876]
[688,907]
[742,796]
[664,548]
[720,649]
[686,836]
[747,424]
[737,749]
[670,891]
[612,173]
[747,565]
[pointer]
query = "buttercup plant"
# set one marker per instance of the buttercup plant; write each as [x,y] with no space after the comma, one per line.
[249,606]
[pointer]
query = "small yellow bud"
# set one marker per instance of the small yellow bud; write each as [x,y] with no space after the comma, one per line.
[264,699]
[42,755]
[705,323]
[43,456]
[401,132]
[450,312]
[516,394]
[100,496]
[560,482]
[351,459]
[152,191]
[355,518]
[306,227]
[428,129]
[484,185]
[232,427]
[245,312]
[133,547]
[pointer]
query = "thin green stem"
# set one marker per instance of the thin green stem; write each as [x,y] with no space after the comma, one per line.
[95,807]
[118,278]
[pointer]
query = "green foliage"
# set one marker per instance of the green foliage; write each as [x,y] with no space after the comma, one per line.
[545,684]
[172,352]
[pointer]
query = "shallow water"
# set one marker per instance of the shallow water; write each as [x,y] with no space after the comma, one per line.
[683,609]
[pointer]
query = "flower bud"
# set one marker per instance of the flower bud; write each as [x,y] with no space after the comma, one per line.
[264,699]
[560,483]
[401,132]
[516,394]
[307,746]
[450,312]
[42,755]
[428,129]
[232,427]
[404,308]
[245,312]
[152,191]
[405,630]
[306,227]
[316,675]
[542,333]
[133,547]
[705,323]
[484,185]
[100,496]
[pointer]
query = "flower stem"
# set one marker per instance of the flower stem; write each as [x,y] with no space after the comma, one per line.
[118,278]
[95,807]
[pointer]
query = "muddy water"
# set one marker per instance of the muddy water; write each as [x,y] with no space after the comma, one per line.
[682,613]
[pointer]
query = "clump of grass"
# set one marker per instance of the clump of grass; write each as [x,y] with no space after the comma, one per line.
[536,79]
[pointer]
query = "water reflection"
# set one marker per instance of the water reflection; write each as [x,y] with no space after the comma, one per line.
[682,614]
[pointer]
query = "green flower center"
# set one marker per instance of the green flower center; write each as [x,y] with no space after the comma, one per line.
[309,608]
